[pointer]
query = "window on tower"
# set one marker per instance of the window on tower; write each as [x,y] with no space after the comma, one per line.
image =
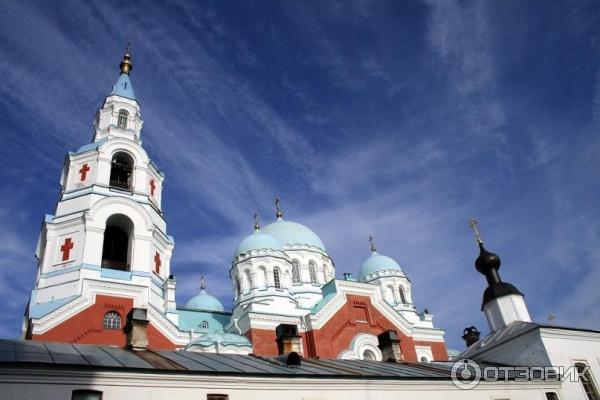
[276,278]
[122,119]
[585,377]
[120,171]
[112,320]
[401,295]
[295,272]
[312,272]
[116,249]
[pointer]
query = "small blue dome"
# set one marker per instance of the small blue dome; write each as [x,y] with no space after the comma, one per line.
[258,241]
[292,233]
[204,301]
[123,87]
[377,262]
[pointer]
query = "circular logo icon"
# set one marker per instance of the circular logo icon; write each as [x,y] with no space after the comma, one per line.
[466,374]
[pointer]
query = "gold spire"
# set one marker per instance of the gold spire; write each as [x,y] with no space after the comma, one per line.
[372,241]
[473,225]
[126,65]
[279,213]
[256,224]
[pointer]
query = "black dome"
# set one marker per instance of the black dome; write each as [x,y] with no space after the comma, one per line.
[486,261]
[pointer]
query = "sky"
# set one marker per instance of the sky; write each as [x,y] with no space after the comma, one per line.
[397,119]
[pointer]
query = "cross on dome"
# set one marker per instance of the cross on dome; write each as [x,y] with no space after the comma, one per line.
[256,223]
[372,241]
[202,283]
[279,213]
[473,225]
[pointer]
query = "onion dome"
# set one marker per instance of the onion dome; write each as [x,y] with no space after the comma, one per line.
[258,241]
[204,301]
[292,233]
[378,262]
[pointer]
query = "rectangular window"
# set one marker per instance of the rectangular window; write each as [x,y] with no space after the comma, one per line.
[85,394]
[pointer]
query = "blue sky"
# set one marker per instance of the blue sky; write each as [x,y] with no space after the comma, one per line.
[397,119]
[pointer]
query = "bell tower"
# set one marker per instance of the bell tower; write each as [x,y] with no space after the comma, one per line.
[105,250]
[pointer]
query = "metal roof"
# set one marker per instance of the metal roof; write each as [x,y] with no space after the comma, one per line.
[24,353]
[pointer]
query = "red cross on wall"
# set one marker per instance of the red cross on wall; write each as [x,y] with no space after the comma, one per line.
[152,186]
[157,263]
[66,249]
[83,171]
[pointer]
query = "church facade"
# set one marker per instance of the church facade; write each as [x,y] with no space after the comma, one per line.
[105,252]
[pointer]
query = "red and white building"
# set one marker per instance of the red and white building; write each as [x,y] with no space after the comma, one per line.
[106,251]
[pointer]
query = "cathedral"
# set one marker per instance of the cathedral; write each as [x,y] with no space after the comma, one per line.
[102,321]
[105,252]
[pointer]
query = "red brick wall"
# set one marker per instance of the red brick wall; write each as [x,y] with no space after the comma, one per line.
[337,333]
[264,342]
[87,326]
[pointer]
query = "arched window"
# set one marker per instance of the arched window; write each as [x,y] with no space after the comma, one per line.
[239,286]
[261,278]
[424,360]
[248,280]
[203,325]
[312,272]
[295,272]
[122,119]
[112,320]
[120,171]
[116,248]
[276,278]
[585,377]
[401,295]
[369,355]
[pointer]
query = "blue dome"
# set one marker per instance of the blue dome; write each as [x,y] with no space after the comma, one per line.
[377,262]
[291,233]
[204,301]
[258,241]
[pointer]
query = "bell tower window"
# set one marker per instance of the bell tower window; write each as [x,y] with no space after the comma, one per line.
[120,171]
[116,249]
[122,119]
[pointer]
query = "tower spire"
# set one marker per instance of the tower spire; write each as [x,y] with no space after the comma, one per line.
[279,213]
[126,65]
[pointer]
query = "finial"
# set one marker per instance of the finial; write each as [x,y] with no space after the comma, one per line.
[372,241]
[202,283]
[473,225]
[256,224]
[278,214]
[126,65]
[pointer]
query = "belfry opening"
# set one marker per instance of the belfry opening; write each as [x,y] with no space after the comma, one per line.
[116,249]
[120,171]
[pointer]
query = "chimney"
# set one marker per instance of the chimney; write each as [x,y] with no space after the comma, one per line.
[288,339]
[471,335]
[136,329]
[389,344]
